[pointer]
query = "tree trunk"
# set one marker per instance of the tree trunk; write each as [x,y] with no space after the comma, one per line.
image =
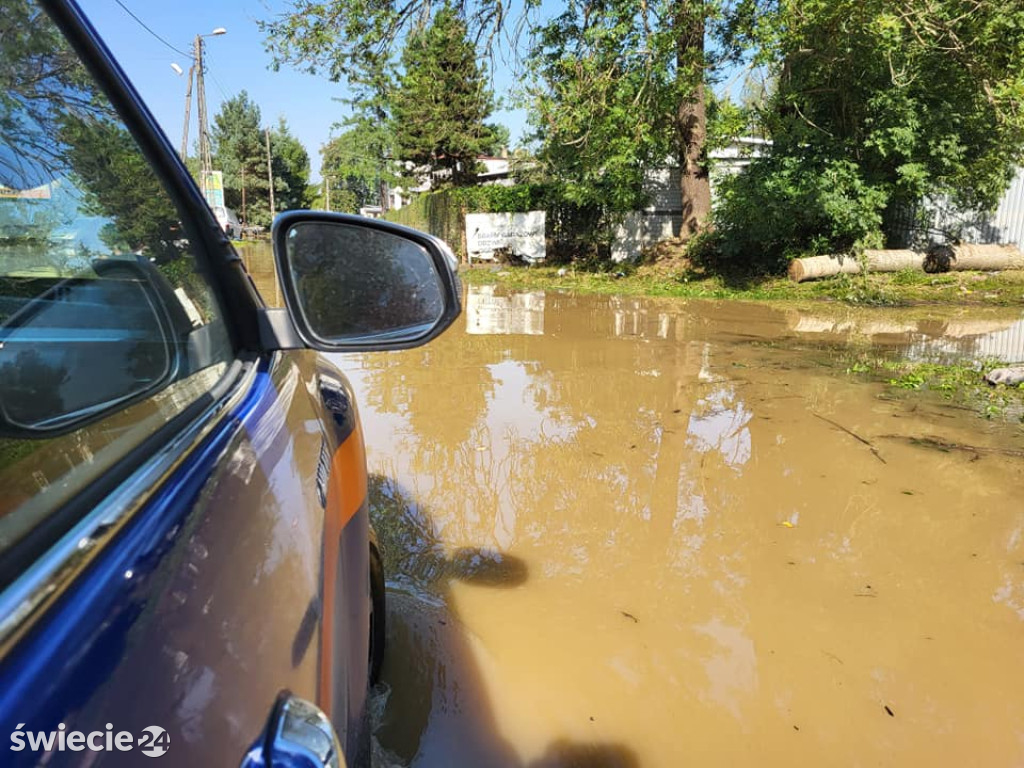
[691,119]
[877,261]
[960,258]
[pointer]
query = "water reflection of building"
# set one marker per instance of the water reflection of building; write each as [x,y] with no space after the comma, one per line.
[1005,344]
[980,338]
[490,314]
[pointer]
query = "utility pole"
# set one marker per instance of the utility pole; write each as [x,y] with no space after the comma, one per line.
[205,161]
[270,174]
[245,217]
[198,71]
[188,112]
[327,192]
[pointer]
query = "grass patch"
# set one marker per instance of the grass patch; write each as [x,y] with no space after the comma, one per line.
[960,383]
[896,289]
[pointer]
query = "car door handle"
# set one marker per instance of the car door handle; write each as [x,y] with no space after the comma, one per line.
[299,735]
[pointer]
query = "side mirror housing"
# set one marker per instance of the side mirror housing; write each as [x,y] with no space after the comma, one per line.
[352,284]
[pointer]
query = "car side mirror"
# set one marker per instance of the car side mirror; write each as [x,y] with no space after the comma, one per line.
[354,284]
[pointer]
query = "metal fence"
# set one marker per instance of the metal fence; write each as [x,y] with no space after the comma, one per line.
[938,221]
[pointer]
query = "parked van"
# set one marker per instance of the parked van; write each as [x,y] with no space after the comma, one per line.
[228,221]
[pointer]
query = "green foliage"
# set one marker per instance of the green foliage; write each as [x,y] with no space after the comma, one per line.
[573,232]
[726,121]
[500,139]
[610,80]
[354,164]
[290,162]
[873,109]
[441,102]
[118,183]
[960,382]
[240,152]
[784,206]
[438,213]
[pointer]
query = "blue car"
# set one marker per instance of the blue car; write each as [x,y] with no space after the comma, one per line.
[187,568]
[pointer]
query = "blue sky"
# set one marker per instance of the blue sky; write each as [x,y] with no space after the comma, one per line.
[235,62]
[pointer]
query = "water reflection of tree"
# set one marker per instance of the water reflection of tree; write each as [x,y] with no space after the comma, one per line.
[56,124]
[41,82]
[119,185]
[445,394]
[443,388]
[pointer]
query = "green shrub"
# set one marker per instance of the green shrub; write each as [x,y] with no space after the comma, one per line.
[783,207]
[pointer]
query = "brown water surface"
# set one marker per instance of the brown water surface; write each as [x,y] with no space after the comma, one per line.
[662,533]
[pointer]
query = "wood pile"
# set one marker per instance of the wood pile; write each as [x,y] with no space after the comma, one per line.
[938,258]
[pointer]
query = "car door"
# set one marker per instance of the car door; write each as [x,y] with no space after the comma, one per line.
[162,516]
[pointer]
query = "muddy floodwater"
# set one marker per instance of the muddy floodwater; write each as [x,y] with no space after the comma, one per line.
[629,532]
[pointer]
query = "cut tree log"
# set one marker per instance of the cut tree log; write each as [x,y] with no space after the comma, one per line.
[960,258]
[814,267]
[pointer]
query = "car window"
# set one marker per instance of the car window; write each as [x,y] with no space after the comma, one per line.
[108,327]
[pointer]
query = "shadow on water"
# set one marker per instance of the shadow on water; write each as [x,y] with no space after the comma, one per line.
[432,707]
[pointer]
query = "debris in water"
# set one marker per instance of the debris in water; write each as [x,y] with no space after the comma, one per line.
[796,727]
[630,616]
[851,433]
[1011,377]
[938,444]
[787,524]
[889,711]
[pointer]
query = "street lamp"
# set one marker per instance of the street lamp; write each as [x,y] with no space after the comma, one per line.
[198,71]
[205,162]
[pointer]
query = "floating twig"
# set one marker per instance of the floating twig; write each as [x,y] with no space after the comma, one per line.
[938,444]
[854,435]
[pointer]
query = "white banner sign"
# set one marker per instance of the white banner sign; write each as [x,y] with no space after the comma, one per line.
[521,234]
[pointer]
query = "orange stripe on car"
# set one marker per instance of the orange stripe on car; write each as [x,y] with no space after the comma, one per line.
[346,492]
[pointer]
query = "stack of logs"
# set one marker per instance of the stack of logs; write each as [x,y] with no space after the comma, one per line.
[938,258]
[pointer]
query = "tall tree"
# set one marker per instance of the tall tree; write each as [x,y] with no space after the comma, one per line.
[354,167]
[441,101]
[240,150]
[290,162]
[875,105]
[620,89]
[658,42]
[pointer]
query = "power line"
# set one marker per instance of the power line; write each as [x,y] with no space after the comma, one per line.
[143,24]
[217,82]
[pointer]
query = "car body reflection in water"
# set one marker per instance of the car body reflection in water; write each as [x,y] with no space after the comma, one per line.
[707,569]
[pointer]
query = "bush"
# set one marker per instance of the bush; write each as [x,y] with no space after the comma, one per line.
[783,207]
